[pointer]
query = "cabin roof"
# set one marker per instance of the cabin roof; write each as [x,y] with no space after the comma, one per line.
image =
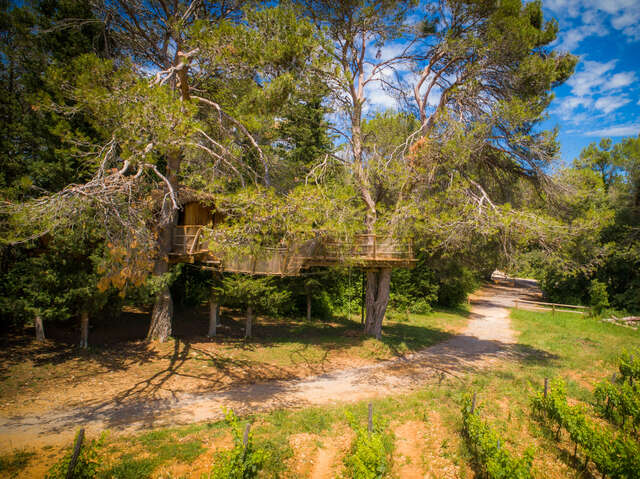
[190,195]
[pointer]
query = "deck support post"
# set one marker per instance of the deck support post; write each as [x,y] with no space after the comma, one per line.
[214,311]
[247,330]
[39,327]
[84,330]
[362,297]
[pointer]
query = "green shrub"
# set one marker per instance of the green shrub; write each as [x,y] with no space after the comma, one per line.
[261,293]
[616,455]
[88,461]
[370,454]
[241,462]
[598,296]
[485,444]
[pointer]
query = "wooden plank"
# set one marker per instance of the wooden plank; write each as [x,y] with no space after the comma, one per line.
[553,304]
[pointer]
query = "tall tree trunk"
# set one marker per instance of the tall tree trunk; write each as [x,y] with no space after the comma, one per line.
[39,328]
[161,318]
[162,315]
[308,306]
[247,329]
[84,330]
[213,315]
[377,299]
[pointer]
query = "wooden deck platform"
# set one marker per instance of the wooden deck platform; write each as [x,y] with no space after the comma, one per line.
[366,251]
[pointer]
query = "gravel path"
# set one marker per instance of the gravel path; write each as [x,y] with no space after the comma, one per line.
[487,337]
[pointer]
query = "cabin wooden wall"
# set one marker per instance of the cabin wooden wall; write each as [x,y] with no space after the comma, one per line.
[196,214]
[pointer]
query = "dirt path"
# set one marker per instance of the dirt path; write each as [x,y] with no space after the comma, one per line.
[488,336]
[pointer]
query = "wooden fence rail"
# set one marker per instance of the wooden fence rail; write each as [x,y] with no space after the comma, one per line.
[562,308]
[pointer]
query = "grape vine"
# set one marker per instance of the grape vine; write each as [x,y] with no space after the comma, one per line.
[613,454]
[485,443]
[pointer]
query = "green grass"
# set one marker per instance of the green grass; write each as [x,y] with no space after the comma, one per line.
[130,467]
[294,342]
[12,464]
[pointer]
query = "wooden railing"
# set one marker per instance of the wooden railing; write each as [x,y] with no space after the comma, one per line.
[561,308]
[365,248]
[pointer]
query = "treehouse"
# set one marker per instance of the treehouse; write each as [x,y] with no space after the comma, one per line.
[197,220]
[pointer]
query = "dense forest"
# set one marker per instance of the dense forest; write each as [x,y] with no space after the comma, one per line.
[111,111]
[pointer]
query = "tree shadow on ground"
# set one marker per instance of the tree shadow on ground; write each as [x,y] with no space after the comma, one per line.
[532,356]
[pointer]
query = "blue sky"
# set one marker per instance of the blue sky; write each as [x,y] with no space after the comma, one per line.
[602,99]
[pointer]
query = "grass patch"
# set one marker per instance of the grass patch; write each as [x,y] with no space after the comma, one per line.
[12,464]
[130,467]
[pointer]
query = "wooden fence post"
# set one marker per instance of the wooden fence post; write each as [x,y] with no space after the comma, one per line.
[245,438]
[76,454]
[370,423]
[516,304]
[554,310]
[546,387]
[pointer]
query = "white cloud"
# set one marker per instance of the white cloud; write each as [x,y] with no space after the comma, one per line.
[622,15]
[391,50]
[619,130]
[607,104]
[593,89]
[567,105]
[591,76]
[625,19]
[378,98]
[612,6]
[620,80]
[572,38]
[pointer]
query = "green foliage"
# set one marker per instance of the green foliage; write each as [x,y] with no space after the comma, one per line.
[192,285]
[56,279]
[619,399]
[613,454]
[261,293]
[599,299]
[619,402]
[436,279]
[370,453]
[88,461]
[488,448]
[33,152]
[602,160]
[602,250]
[455,282]
[241,462]
[629,366]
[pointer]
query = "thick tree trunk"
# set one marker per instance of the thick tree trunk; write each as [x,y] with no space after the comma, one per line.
[213,315]
[162,315]
[84,330]
[308,306]
[247,329]
[160,327]
[39,328]
[377,298]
